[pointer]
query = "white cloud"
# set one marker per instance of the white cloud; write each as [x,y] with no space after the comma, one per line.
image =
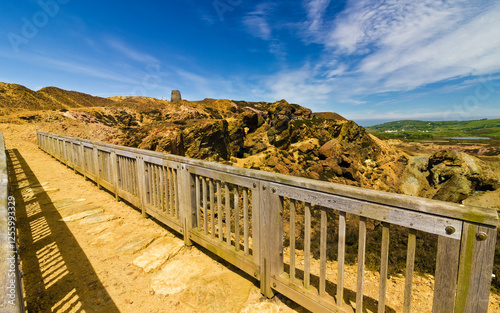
[315,11]
[375,47]
[410,58]
[83,69]
[256,22]
[131,53]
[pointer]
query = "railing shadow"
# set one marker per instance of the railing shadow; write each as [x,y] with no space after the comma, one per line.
[57,275]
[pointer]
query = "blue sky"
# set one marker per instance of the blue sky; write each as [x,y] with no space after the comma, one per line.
[368,60]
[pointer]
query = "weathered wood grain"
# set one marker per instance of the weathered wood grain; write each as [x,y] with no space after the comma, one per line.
[384,257]
[445,284]
[323,246]
[361,264]
[341,259]
[410,264]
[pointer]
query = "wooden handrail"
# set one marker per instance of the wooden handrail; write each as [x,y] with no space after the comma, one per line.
[239,214]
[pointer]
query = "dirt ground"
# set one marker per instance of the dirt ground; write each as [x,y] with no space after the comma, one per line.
[82,251]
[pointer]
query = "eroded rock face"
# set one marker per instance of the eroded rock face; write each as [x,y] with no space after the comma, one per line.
[459,175]
[279,137]
[448,175]
[207,141]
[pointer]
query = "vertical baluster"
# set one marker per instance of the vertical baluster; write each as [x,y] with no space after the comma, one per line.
[307,246]
[153,185]
[120,178]
[383,268]
[245,221]
[148,177]
[147,174]
[341,258]
[219,210]
[292,240]
[322,262]
[212,207]
[205,215]
[157,187]
[142,171]
[161,189]
[126,174]
[129,178]
[176,193]
[410,263]
[198,221]
[236,219]
[361,263]
[172,190]
[168,208]
[134,177]
[228,213]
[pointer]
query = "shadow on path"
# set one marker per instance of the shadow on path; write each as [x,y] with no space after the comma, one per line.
[57,275]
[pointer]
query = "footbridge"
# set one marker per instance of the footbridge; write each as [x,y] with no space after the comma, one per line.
[305,239]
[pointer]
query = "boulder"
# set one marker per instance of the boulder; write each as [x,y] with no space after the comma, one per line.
[306,147]
[458,175]
[330,149]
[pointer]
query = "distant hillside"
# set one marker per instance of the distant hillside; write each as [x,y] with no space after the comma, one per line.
[426,129]
[13,96]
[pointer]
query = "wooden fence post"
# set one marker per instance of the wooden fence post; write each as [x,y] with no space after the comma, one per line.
[84,161]
[271,234]
[96,166]
[75,155]
[141,177]
[187,198]
[475,269]
[114,170]
[65,153]
[446,274]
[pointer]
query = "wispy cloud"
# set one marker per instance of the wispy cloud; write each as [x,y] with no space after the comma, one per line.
[256,21]
[130,52]
[375,47]
[85,69]
[315,12]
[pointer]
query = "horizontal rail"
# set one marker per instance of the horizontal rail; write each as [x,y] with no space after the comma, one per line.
[263,222]
[10,278]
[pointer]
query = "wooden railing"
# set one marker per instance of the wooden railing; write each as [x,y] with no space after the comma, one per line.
[240,215]
[10,279]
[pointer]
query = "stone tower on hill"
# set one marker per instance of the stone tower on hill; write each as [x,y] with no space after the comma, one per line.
[176,96]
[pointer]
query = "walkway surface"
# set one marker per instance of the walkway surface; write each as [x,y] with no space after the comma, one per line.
[82,251]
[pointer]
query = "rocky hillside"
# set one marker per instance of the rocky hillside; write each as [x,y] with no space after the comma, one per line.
[14,96]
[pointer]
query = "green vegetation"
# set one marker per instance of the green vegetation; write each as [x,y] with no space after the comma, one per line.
[418,130]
